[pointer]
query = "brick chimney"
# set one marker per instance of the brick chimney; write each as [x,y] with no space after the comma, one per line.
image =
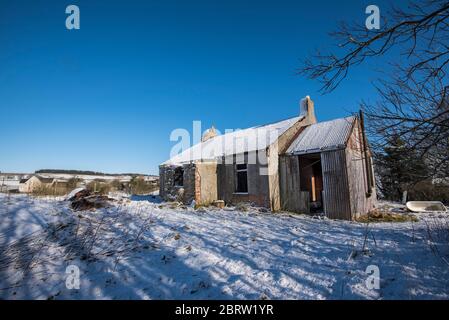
[209,134]
[307,110]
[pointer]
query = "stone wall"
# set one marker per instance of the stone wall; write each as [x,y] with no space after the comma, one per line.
[166,182]
[169,191]
[189,183]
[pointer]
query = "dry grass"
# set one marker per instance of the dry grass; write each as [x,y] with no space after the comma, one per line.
[43,191]
[202,206]
[386,216]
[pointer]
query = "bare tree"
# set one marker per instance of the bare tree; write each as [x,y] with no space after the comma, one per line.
[418,112]
[414,98]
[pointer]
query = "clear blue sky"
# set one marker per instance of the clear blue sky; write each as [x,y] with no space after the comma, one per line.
[107,96]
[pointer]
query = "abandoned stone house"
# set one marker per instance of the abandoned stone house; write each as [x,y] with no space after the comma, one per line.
[296,165]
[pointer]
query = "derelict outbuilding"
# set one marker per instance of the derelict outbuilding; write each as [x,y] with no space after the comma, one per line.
[328,168]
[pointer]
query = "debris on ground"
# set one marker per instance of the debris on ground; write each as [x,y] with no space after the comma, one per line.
[83,199]
[378,215]
[90,202]
[75,193]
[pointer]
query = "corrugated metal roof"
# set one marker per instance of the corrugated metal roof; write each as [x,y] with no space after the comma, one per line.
[236,142]
[322,136]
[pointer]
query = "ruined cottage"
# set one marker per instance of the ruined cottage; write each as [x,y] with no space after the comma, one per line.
[296,165]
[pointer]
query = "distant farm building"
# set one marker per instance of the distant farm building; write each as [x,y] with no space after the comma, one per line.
[34,183]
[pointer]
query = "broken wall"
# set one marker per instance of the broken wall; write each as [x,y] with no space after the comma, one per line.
[169,191]
[199,183]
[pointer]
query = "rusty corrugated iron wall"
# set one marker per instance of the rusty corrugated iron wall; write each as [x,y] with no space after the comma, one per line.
[335,185]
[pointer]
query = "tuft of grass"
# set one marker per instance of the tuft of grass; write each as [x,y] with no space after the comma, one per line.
[174,205]
[202,206]
[242,206]
[386,216]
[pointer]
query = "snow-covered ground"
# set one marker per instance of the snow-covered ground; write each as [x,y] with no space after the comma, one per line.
[145,250]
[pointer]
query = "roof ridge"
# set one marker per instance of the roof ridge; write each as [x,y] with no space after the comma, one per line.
[249,128]
[327,121]
[218,146]
[270,123]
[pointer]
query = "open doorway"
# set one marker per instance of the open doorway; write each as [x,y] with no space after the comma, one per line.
[311,180]
[178,177]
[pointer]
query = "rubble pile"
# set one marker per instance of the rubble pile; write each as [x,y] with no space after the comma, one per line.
[86,200]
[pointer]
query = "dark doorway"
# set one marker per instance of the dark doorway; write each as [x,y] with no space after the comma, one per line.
[179,177]
[311,180]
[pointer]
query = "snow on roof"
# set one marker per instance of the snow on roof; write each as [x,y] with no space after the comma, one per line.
[235,142]
[45,179]
[322,136]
